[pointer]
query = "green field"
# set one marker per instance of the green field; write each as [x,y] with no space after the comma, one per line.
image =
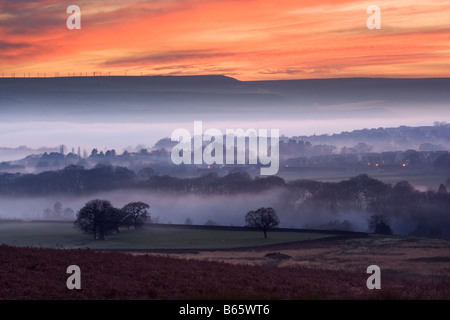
[63,235]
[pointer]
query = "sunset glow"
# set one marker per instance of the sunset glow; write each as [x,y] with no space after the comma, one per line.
[248,40]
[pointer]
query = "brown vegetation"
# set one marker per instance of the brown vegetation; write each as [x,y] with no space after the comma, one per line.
[417,258]
[31,273]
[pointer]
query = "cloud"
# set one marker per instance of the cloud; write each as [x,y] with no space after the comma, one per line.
[166,57]
[31,17]
[9,45]
[253,39]
[281,71]
[25,17]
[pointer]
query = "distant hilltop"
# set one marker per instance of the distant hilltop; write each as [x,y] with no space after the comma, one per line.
[430,141]
[311,90]
[140,97]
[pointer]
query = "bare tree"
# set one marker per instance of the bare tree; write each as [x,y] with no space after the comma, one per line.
[137,212]
[264,219]
[97,217]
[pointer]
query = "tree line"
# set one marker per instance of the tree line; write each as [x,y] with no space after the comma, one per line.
[423,213]
[99,217]
[76,179]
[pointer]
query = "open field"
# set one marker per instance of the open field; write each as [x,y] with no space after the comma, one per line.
[64,235]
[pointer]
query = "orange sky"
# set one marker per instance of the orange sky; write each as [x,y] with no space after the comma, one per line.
[245,39]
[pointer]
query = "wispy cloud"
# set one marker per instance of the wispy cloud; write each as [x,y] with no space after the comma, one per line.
[253,39]
[11,46]
[166,57]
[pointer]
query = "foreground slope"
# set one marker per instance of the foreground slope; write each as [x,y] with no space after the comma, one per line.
[32,273]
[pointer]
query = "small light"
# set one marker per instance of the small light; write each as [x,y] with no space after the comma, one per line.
[209,167]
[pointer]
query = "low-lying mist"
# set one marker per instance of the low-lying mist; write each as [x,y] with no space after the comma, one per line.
[407,211]
[226,210]
[170,208]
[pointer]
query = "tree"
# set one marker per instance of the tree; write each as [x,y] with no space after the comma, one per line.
[94,152]
[380,224]
[447,182]
[68,213]
[442,188]
[188,221]
[263,218]
[362,147]
[119,218]
[57,213]
[97,217]
[58,210]
[137,212]
[210,222]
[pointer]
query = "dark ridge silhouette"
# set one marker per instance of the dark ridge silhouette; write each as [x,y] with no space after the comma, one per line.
[110,83]
[140,97]
[347,90]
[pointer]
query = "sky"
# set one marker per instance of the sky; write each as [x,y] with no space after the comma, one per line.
[244,39]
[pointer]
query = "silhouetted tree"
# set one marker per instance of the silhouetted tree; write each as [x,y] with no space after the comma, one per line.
[119,218]
[137,212]
[143,152]
[362,147]
[263,218]
[380,224]
[210,222]
[110,153]
[97,217]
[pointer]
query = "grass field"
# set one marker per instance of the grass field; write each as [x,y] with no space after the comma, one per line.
[64,235]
